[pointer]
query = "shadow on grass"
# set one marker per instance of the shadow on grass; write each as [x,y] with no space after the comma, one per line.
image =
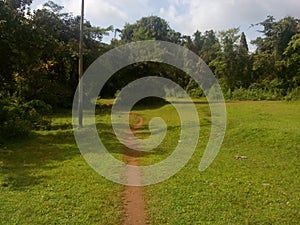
[21,162]
[65,126]
[26,163]
[145,103]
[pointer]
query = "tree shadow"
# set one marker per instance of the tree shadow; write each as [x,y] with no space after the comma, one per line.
[145,103]
[22,162]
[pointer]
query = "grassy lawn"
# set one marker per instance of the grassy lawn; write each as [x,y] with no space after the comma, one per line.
[262,189]
[46,181]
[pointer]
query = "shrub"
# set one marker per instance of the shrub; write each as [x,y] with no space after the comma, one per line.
[18,119]
[293,95]
[252,94]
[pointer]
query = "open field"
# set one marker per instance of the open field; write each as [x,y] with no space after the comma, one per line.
[262,189]
[46,181]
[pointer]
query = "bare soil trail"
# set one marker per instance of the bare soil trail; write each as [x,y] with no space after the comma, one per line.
[134,204]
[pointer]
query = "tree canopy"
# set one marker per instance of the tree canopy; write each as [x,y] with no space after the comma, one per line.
[39,54]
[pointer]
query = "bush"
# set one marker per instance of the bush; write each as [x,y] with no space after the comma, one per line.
[243,94]
[194,90]
[293,95]
[18,119]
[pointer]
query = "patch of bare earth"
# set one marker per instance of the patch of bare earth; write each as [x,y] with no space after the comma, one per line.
[134,204]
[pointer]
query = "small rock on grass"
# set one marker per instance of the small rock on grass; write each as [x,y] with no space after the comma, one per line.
[241,157]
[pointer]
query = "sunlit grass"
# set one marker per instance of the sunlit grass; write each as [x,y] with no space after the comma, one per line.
[262,189]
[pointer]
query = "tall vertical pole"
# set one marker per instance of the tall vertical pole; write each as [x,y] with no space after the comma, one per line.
[80,69]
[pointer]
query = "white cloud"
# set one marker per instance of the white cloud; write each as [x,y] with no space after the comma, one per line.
[117,13]
[99,12]
[105,13]
[185,16]
[208,14]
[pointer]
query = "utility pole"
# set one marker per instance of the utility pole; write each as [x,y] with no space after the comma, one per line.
[80,69]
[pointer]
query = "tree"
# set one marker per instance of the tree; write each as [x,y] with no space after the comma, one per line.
[150,28]
[17,4]
[243,47]
[39,52]
[244,63]
[270,59]
[292,59]
[210,47]
[225,63]
[198,41]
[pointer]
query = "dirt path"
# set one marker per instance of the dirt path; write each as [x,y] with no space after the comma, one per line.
[133,199]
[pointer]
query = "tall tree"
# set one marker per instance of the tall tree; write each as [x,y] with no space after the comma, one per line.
[269,61]
[198,41]
[292,59]
[244,63]
[243,47]
[225,63]
[150,28]
[210,47]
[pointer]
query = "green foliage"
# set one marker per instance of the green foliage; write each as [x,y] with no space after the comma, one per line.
[276,56]
[139,70]
[294,95]
[194,90]
[17,4]
[18,118]
[39,52]
[269,73]
[149,28]
[242,94]
[232,63]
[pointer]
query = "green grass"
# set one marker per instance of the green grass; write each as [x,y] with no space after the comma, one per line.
[45,180]
[262,189]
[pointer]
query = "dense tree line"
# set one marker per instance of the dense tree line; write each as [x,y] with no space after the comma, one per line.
[271,72]
[39,58]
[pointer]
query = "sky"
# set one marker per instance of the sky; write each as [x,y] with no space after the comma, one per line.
[184,16]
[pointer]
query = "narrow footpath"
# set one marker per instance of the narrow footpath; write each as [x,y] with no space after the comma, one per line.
[134,204]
